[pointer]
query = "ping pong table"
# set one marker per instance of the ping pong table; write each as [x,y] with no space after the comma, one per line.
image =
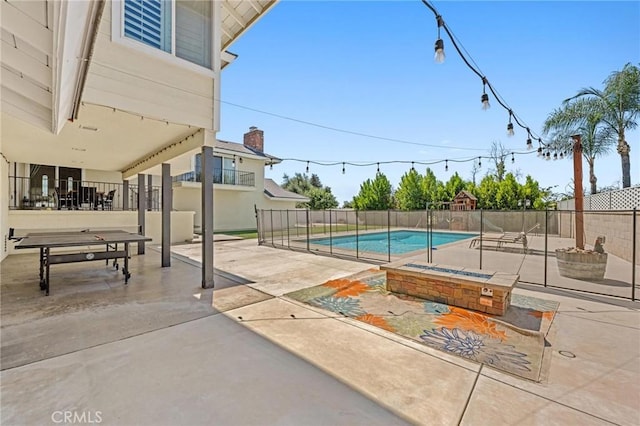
[45,241]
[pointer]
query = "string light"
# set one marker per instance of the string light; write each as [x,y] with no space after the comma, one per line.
[446,165]
[307,169]
[233,162]
[439,48]
[484,98]
[485,82]
[342,168]
[412,168]
[270,166]
[479,161]
[513,159]
[378,171]
[555,156]
[561,155]
[510,125]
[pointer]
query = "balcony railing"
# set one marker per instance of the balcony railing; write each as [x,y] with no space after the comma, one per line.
[221,176]
[25,194]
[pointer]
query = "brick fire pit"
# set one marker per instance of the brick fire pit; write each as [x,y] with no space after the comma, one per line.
[481,290]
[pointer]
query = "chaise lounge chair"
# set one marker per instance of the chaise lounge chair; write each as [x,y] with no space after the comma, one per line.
[506,238]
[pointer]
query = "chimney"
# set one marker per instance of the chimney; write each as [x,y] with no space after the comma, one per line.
[254,139]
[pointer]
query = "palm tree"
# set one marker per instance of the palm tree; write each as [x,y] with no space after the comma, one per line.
[620,106]
[583,117]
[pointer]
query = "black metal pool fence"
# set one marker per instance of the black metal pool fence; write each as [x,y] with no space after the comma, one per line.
[517,241]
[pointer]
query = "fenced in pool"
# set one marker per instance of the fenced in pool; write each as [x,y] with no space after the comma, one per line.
[394,242]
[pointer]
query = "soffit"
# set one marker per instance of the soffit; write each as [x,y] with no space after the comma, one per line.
[27,71]
[240,15]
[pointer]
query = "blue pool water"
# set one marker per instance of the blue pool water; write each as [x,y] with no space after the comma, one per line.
[401,241]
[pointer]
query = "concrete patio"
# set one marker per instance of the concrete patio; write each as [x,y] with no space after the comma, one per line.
[158,351]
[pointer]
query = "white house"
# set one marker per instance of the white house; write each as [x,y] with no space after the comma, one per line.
[239,185]
[101,94]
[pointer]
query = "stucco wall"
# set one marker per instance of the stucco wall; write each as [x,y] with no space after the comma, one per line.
[233,209]
[181,222]
[617,227]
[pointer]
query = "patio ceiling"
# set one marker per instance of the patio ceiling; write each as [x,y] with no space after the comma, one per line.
[239,15]
[101,138]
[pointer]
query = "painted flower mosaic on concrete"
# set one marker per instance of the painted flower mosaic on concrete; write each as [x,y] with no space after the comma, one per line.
[513,343]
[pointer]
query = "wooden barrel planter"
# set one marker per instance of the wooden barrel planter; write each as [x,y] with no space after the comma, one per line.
[581,265]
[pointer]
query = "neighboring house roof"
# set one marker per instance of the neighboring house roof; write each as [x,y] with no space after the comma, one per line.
[467,194]
[273,190]
[243,149]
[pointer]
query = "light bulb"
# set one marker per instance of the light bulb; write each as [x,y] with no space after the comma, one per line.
[513,159]
[446,165]
[439,56]
[479,161]
[485,101]
[412,168]
[548,156]
[271,166]
[529,144]
[510,129]
[378,171]
[307,170]
[540,151]
[342,168]
[561,155]
[555,155]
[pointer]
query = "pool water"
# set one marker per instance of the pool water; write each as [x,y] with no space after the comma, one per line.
[401,241]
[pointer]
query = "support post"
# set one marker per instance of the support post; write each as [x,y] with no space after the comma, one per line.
[207,216]
[149,192]
[167,201]
[125,195]
[546,242]
[308,246]
[481,232]
[141,211]
[578,193]
[634,252]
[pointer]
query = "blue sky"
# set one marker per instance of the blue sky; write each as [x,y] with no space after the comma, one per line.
[368,67]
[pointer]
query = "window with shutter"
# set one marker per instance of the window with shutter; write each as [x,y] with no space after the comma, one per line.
[149,21]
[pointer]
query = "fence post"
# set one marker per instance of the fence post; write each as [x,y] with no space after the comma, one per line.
[324,222]
[633,256]
[481,231]
[357,242]
[308,247]
[330,235]
[288,238]
[272,229]
[546,242]
[389,234]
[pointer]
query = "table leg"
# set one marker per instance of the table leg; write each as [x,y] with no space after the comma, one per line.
[46,283]
[125,270]
[41,268]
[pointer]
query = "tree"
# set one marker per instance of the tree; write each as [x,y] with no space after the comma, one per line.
[454,185]
[486,193]
[507,194]
[619,104]
[315,181]
[374,194]
[498,153]
[433,189]
[321,199]
[299,183]
[409,195]
[583,117]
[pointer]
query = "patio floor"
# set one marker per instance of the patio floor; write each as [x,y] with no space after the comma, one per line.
[158,351]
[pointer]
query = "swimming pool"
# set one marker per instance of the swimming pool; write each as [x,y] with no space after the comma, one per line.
[401,241]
